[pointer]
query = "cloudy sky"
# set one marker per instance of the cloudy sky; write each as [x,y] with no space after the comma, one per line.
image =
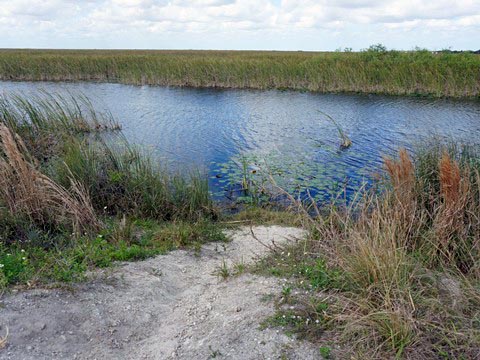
[240,24]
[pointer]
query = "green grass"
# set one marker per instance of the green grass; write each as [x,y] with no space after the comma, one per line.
[372,71]
[29,264]
[122,180]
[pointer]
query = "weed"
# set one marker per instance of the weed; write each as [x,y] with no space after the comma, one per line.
[223,271]
[239,268]
[326,352]
[214,353]
[397,265]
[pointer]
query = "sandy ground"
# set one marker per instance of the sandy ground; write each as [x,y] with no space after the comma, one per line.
[168,307]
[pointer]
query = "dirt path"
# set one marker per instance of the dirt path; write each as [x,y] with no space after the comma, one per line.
[168,307]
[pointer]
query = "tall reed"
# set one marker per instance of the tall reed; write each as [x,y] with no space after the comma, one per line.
[372,71]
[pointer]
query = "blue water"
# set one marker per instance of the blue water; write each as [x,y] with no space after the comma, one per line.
[284,131]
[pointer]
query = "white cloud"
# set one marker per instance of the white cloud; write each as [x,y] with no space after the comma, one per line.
[103,19]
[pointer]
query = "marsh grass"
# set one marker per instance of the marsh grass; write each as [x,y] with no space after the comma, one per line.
[345,140]
[405,261]
[121,179]
[418,72]
[44,121]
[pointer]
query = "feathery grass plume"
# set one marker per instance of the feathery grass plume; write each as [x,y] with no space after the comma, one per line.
[28,192]
[452,232]
[403,199]
[402,175]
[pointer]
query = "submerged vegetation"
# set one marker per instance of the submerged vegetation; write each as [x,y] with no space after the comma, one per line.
[374,70]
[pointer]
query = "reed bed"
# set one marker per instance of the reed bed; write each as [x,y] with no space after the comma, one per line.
[372,71]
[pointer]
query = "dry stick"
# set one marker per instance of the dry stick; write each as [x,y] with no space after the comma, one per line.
[267,246]
[3,340]
[236,222]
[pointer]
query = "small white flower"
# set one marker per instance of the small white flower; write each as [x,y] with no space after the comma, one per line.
[1,266]
[22,251]
[317,321]
[24,258]
[104,208]
[9,254]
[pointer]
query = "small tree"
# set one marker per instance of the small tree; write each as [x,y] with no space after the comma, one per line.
[379,48]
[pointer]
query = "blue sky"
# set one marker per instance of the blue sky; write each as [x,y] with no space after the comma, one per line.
[240,24]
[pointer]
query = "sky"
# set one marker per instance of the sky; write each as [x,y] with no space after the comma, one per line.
[240,24]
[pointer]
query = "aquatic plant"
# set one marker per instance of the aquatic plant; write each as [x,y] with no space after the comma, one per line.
[345,140]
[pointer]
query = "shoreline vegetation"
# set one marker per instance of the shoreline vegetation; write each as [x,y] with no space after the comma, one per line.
[74,194]
[392,274]
[373,70]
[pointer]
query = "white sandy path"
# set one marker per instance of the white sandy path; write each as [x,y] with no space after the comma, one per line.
[167,307]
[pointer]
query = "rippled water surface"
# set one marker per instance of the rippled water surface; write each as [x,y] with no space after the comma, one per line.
[286,131]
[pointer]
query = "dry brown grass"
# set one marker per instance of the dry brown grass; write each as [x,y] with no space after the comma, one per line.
[3,340]
[451,231]
[411,256]
[27,192]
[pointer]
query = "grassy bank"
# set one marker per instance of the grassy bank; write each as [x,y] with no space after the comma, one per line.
[372,71]
[70,200]
[395,274]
